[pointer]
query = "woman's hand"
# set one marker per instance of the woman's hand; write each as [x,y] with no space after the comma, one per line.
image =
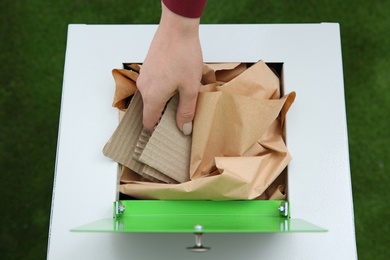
[173,63]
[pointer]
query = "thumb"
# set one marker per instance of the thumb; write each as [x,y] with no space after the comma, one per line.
[186,110]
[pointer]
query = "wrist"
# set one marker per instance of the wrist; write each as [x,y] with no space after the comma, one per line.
[177,25]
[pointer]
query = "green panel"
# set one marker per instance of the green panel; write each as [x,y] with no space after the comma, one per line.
[200,207]
[213,216]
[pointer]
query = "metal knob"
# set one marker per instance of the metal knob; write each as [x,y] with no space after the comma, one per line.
[198,241]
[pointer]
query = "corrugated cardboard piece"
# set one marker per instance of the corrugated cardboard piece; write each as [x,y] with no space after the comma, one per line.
[161,156]
[167,149]
[149,172]
[121,145]
[237,143]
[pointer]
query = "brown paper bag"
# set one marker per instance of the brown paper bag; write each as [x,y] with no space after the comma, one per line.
[237,147]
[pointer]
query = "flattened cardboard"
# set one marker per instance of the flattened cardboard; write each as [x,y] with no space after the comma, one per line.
[120,147]
[156,175]
[132,147]
[159,176]
[168,149]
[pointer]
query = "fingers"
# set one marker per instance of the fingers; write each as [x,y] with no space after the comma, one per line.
[186,109]
[153,109]
[151,114]
[154,100]
[153,106]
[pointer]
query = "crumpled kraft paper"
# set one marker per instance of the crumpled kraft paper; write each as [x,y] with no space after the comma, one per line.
[228,125]
[237,147]
[125,85]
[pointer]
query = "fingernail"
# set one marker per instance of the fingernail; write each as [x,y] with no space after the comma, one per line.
[187,128]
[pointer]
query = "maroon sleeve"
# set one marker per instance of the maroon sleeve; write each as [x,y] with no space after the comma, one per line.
[186,8]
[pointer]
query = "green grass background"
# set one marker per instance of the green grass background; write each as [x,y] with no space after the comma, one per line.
[32,50]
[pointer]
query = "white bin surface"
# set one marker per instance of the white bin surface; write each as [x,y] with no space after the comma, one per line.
[319,175]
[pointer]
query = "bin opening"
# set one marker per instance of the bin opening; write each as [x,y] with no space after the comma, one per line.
[278,189]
